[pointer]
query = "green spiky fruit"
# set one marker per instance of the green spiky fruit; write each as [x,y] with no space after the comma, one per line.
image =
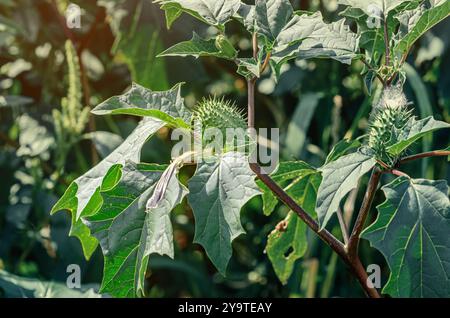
[220,114]
[388,118]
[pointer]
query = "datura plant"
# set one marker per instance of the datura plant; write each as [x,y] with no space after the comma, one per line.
[124,205]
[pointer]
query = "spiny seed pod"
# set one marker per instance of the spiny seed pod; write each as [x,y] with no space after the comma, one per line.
[388,118]
[225,47]
[217,113]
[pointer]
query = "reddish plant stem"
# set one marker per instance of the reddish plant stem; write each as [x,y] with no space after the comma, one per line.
[398,173]
[326,236]
[266,62]
[373,70]
[255,45]
[353,263]
[436,153]
[343,226]
[352,247]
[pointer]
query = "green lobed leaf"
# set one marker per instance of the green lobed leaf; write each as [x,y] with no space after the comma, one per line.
[339,177]
[196,47]
[167,106]
[300,180]
[213,12]
[411,231]
[82,198]
[271,17]
[128,233]
[218,190]
[413,131]
[308,36]
[414,23]
[285,246]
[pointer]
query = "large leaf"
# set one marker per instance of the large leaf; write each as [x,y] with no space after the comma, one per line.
[412,232]
[82,198]
[299,180]
[128,232]
[287,244]
[339,177]
[384,6]
[414,23]
[196,47]
[213,12]
[308,36]
[271,16]
[167,106]
[12,286]
[218,190]
[413,131]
